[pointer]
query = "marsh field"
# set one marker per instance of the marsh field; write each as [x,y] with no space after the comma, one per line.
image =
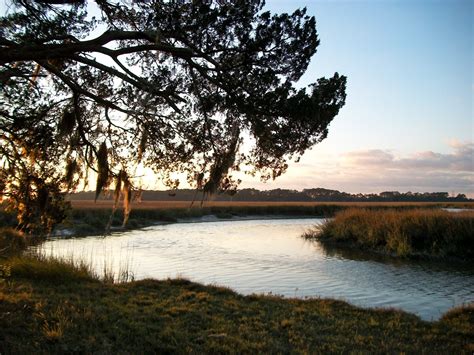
[239,275]
[89,217]
[99,204]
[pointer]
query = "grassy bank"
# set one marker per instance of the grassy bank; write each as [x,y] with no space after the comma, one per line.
[51,306]
[412,233]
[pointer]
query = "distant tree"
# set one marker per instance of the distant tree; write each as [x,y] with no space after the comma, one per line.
[172,85]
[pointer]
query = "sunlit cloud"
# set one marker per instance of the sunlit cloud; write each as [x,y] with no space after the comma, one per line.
[460,160]
[372,157]
[376,170]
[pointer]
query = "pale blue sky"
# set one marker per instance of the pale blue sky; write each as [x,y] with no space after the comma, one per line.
[408,120]
[409,68]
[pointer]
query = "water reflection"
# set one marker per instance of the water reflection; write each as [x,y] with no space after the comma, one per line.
[332,251]
[262,256]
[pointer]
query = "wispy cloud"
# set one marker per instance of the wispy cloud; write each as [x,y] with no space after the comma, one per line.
[372,157]
[460,160]
[376,170]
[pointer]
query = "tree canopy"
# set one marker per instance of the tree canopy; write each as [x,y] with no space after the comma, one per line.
[172,85]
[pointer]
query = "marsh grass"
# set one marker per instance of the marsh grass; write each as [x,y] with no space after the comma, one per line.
[52,306]
[170,205]
[66,269]
[92,221]
[87,218]
[91,218]
[83,264]
[49,269]
[418,232]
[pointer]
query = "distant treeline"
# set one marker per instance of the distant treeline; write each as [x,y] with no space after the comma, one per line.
[316,194]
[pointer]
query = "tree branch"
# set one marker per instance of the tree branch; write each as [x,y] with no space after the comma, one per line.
[77,89]
[139,83]
[34,52]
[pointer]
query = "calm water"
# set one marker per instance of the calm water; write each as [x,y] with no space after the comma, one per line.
[269,256]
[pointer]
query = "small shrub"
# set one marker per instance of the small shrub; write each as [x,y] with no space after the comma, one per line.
[11,241]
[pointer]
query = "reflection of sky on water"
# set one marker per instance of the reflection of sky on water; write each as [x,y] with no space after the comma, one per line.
[261,256]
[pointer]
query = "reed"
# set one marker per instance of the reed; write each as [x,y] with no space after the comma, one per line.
[419,232]
[66,269]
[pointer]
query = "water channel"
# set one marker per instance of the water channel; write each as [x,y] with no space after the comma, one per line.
[269,256]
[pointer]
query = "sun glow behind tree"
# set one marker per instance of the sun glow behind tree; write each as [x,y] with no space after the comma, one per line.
[188,82]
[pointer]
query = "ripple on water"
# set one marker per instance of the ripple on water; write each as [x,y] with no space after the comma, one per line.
[263,256]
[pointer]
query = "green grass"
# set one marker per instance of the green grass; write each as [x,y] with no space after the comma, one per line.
[50,306]
[406,233]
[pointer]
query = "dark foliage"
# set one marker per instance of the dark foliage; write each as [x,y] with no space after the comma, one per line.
[172,85]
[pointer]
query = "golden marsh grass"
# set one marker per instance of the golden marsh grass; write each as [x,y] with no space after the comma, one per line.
[423,232]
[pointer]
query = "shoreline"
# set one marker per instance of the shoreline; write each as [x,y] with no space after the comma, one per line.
[66,308]
[69,231]
[89,218]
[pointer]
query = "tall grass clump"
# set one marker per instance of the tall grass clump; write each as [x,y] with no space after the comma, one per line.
[419,232]
[64,269]
[50,269]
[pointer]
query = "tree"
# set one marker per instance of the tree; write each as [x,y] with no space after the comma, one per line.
[172,85]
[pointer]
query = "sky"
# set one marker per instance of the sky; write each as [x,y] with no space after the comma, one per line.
[407,124]
[408,120]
